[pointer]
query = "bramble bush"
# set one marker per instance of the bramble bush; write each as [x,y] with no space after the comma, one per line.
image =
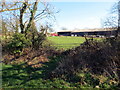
[100,58]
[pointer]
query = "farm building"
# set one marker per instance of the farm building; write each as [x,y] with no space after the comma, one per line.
[89,32]
[64,33]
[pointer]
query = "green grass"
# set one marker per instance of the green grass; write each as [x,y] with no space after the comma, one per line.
[67,39]
[22,76]
[66,42]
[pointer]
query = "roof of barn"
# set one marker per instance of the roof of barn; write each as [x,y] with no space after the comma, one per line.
[90,30]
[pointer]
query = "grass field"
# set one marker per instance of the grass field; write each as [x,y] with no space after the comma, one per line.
[66,42]
[67,39]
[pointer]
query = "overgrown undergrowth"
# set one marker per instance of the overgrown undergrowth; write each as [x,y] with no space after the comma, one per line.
[93,64]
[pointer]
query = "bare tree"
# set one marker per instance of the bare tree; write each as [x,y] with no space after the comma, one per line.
[113,20]
[32,12]
[27,13]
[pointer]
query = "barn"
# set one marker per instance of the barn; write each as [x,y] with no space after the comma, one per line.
[64,33]
[89,32]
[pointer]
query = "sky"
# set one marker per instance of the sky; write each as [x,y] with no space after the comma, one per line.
[81,15]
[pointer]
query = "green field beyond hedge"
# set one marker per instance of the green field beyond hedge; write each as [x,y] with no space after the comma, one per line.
[67,42]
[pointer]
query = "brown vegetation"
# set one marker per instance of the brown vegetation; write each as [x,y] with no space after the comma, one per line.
[100,58]
[31,57]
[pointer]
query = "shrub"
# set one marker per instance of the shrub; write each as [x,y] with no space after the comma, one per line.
[36,38]
[102,58]
[17,43]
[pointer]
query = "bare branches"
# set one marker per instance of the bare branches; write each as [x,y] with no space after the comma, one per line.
[9,9]
[8,6]
[111,22]
[25,12]
[41,13]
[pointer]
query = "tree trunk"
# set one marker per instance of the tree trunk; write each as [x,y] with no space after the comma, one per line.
[32,16]
[21,16]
